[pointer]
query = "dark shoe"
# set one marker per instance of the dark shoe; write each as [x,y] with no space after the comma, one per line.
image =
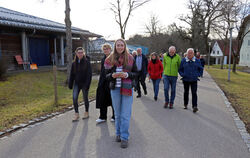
[118,139]
[138,96]
[145,92]
[171,106]
[166,105]
[124,143]
[185,106]
[195,109]
[155,98]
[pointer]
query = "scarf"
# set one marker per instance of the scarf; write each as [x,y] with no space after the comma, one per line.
[126,86]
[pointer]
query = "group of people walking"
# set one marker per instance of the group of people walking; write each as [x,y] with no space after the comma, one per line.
[123,73]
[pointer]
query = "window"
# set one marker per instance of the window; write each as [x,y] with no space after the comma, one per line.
[248,42]
[247,56]
[213,52]
[218,52]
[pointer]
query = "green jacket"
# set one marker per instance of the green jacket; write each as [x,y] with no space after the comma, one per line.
[171,65]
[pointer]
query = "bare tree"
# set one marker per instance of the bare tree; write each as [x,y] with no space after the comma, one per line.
[117,8]
[201,18]
[153,27]
[230,10]
[68,49]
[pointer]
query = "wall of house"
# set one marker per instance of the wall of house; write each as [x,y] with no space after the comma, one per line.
[11,46]
[245,49]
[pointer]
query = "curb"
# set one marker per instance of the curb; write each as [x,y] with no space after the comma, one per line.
[238,122]
[34,121]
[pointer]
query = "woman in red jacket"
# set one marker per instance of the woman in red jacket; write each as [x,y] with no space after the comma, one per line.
[155,70]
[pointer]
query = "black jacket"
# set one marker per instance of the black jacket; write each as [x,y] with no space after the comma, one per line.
[132,75]
[81,73]
[144,67]
[103,97]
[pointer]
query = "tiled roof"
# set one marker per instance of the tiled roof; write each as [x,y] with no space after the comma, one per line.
[17,19]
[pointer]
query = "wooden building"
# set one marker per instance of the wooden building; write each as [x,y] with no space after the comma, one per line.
[37,40]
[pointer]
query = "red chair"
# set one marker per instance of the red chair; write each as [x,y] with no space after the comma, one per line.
[20,61]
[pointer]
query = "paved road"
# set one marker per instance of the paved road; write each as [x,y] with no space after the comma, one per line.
[155,132]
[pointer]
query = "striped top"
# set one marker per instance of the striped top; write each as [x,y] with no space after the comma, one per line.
[118,80]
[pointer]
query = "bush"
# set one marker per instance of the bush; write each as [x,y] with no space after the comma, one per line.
[3,67]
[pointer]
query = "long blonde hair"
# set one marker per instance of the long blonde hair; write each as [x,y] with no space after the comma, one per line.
[114,56]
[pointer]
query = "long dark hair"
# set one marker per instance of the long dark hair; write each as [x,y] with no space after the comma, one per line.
[83,62]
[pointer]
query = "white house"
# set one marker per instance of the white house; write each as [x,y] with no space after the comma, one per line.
[245,47]
[216,53]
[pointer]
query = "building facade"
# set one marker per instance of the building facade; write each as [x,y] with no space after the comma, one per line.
[35,39]
[245,47]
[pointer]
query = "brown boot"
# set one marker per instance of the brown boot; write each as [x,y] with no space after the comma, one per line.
[85,115]
[166,105]
[76,117]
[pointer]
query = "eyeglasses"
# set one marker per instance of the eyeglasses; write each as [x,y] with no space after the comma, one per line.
[80,52]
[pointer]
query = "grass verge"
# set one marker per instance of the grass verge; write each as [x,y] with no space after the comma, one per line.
[28,95]
[237,91]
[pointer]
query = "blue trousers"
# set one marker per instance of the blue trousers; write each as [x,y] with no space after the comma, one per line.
[85,93]
[169,81]
[123,107]
[156,86]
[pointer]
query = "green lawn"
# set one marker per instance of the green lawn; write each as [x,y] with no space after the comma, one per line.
[28,95]
[237,91]
[226,67]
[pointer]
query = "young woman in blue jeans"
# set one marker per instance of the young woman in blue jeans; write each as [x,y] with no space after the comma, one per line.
[120,70]
[80,79]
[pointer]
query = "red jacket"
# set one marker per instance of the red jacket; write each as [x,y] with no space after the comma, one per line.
[155,70]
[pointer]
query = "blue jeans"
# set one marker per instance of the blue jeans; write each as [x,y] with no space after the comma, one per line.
[156,86]
[123,108]
[169,81]
[85,93]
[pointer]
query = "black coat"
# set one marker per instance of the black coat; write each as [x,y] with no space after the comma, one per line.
[103,97]
[144,68]
[81,73]
[202,62]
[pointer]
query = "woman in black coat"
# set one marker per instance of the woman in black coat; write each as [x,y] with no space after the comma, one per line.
[80,79]
[103,98]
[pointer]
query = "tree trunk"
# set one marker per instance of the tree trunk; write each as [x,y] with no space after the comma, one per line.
[55,85]
[222,61]
[234,63]
[225,46]
[68,39]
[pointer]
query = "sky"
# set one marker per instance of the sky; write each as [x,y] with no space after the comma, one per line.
[95,15]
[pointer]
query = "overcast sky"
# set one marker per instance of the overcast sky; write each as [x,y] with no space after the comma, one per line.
[95,16]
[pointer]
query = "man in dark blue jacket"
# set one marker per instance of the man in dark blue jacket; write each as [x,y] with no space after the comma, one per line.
[142,67]
[190,70]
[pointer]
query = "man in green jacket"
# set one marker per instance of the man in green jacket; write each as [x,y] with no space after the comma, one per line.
[171,64]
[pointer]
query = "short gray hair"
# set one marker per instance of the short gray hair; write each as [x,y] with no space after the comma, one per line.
[171,48]
[190,49]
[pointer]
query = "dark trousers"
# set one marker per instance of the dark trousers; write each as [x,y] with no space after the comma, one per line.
[85,93]
[103,112]
[193,86]
[141,80]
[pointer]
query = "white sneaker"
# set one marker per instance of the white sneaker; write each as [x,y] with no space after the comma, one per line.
[100,121]
[112,120]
